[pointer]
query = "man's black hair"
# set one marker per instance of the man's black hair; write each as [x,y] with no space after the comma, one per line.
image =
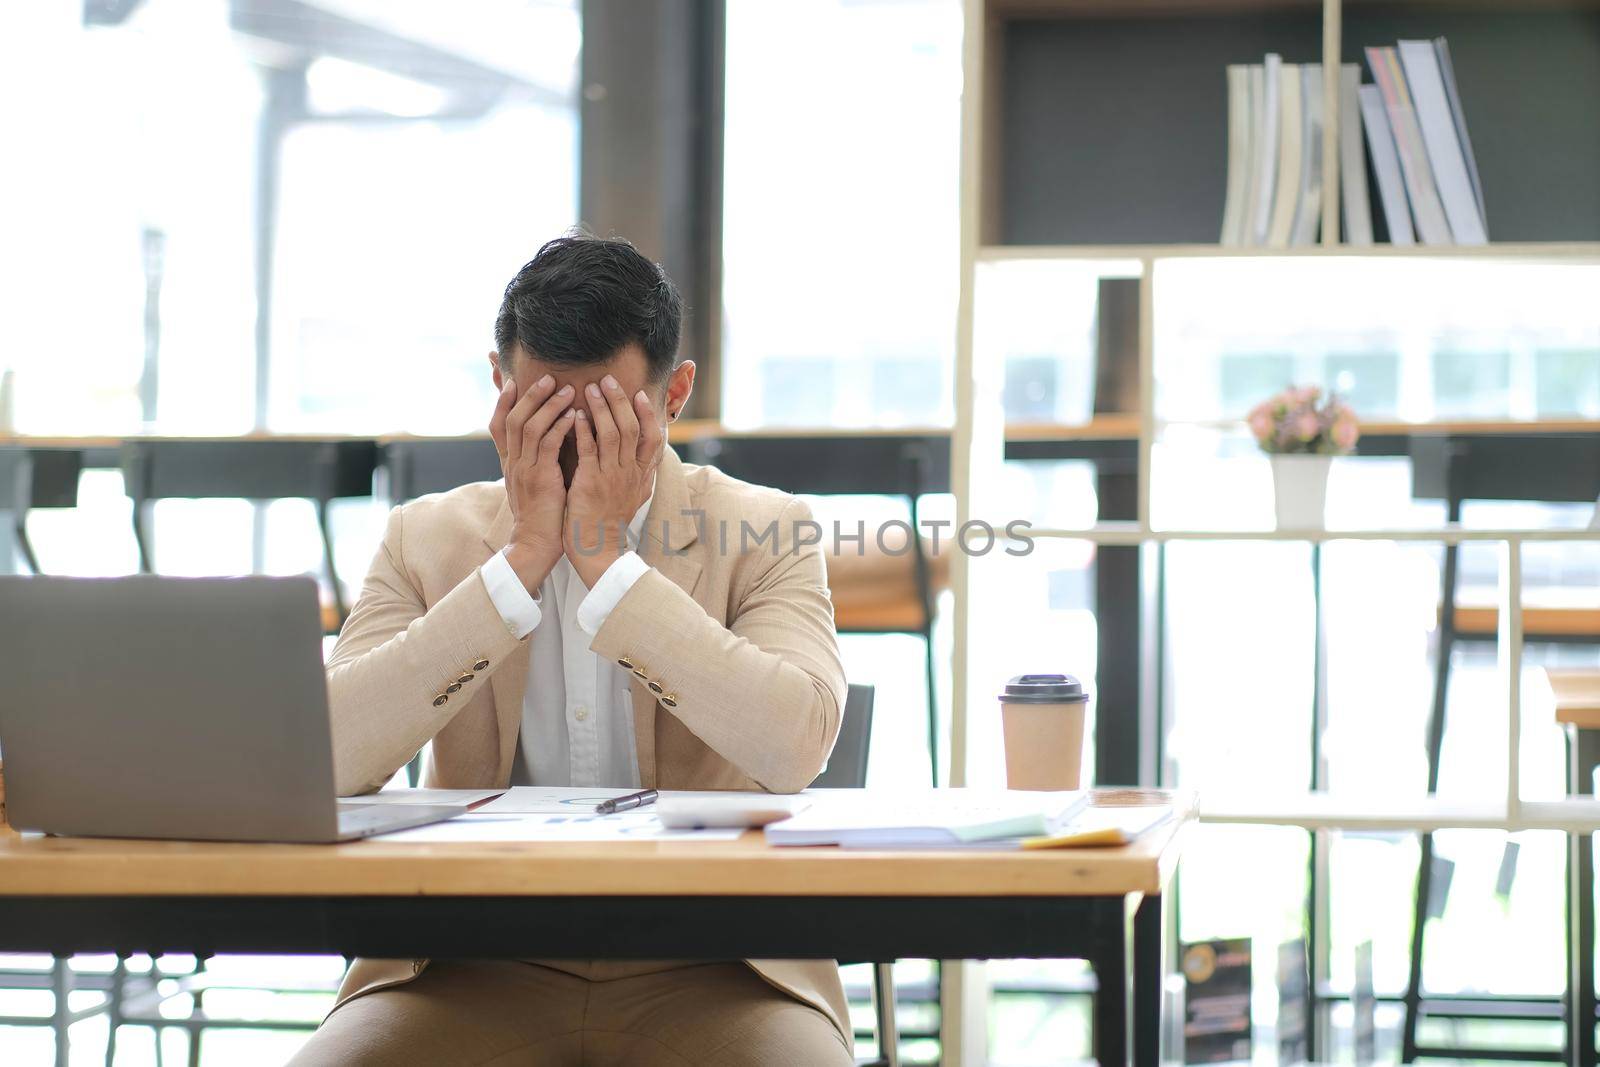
[582,299]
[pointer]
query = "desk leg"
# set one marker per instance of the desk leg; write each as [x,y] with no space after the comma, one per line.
[1113,962]
[1149,976]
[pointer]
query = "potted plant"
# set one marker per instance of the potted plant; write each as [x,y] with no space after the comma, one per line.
[1302,429]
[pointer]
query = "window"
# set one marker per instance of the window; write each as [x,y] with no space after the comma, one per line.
[840,233]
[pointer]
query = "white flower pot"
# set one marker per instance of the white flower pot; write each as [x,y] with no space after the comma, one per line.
[1300,488]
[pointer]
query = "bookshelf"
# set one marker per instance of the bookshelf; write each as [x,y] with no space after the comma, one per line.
[1095,131]
[1137,87]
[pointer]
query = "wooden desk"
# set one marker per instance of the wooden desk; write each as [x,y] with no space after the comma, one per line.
[711,900]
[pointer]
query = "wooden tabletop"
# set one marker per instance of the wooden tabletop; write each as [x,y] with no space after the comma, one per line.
[37,865]
[1110,427]
[1577,697]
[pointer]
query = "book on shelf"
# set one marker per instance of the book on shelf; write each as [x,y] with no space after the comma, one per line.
[1308,205]
[1265,143]
[1356,207]
[1422,163]
[1447,70]
[1426,208]
[1286,191]
[1239,136]
[1386,167]
[1437,120]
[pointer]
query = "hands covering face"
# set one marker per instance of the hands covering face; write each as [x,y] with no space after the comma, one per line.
[619,448]
[619,445]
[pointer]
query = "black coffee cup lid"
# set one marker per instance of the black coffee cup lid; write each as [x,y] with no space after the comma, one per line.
[1044,689]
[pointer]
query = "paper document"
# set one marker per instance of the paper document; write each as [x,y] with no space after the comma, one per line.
[538,826]
[550,800]
[568,800]
[867,819]
[448,797]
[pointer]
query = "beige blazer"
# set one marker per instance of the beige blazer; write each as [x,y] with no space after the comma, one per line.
[738,682]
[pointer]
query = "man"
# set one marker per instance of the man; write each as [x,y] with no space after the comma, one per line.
[512,625]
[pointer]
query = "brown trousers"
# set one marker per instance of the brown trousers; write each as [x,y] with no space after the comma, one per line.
[496,1013]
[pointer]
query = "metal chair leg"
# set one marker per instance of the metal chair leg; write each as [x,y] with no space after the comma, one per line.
[142,539]
[24,545]
[114,998]
[61,1015]
[196,1009]
[327,559]
[883,1009]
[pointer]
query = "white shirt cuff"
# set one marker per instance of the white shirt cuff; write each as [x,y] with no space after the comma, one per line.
[516,606]
[609,591]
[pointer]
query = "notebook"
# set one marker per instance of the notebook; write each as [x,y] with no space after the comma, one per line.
[1094,827]
[929,818]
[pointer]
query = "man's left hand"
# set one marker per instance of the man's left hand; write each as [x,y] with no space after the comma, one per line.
[619,447]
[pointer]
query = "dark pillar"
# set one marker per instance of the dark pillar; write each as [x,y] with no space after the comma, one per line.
[651,156]
[1117,602]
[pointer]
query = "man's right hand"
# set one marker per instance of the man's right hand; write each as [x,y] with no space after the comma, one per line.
[528,431]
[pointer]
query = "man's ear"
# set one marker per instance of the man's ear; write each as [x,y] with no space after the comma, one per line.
[679,387]
[499,379]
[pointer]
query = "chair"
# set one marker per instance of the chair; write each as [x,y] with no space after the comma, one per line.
[847,769]
[1552,468]
[265,469]
[873,591]
[417,466]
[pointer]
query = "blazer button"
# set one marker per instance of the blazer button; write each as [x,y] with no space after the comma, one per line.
[639,672]
[655,687]
[465,678]
[453,687]
[481,665]
[625,663]
[670,700]
[439,700]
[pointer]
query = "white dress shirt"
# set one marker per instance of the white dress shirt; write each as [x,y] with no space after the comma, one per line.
[577,712]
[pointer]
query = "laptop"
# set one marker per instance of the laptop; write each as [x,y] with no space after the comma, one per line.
[185,708]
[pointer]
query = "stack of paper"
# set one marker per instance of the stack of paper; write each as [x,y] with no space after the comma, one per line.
[929,818]
[1094,827]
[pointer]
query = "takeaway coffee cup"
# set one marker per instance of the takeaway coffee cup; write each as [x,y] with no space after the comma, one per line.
[1042,715]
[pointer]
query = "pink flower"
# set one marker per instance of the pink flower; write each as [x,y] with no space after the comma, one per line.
[1306,426]
[1261,423]
[1345,431]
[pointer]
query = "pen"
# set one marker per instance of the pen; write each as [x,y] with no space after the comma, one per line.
[627,803]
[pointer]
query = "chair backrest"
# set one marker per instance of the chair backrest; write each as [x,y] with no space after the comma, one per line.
[1553,468]
[419,467]
[847,766]
[202,468]
[888,465]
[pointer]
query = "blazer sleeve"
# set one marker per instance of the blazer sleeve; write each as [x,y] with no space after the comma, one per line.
[395,659]
[764,692]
